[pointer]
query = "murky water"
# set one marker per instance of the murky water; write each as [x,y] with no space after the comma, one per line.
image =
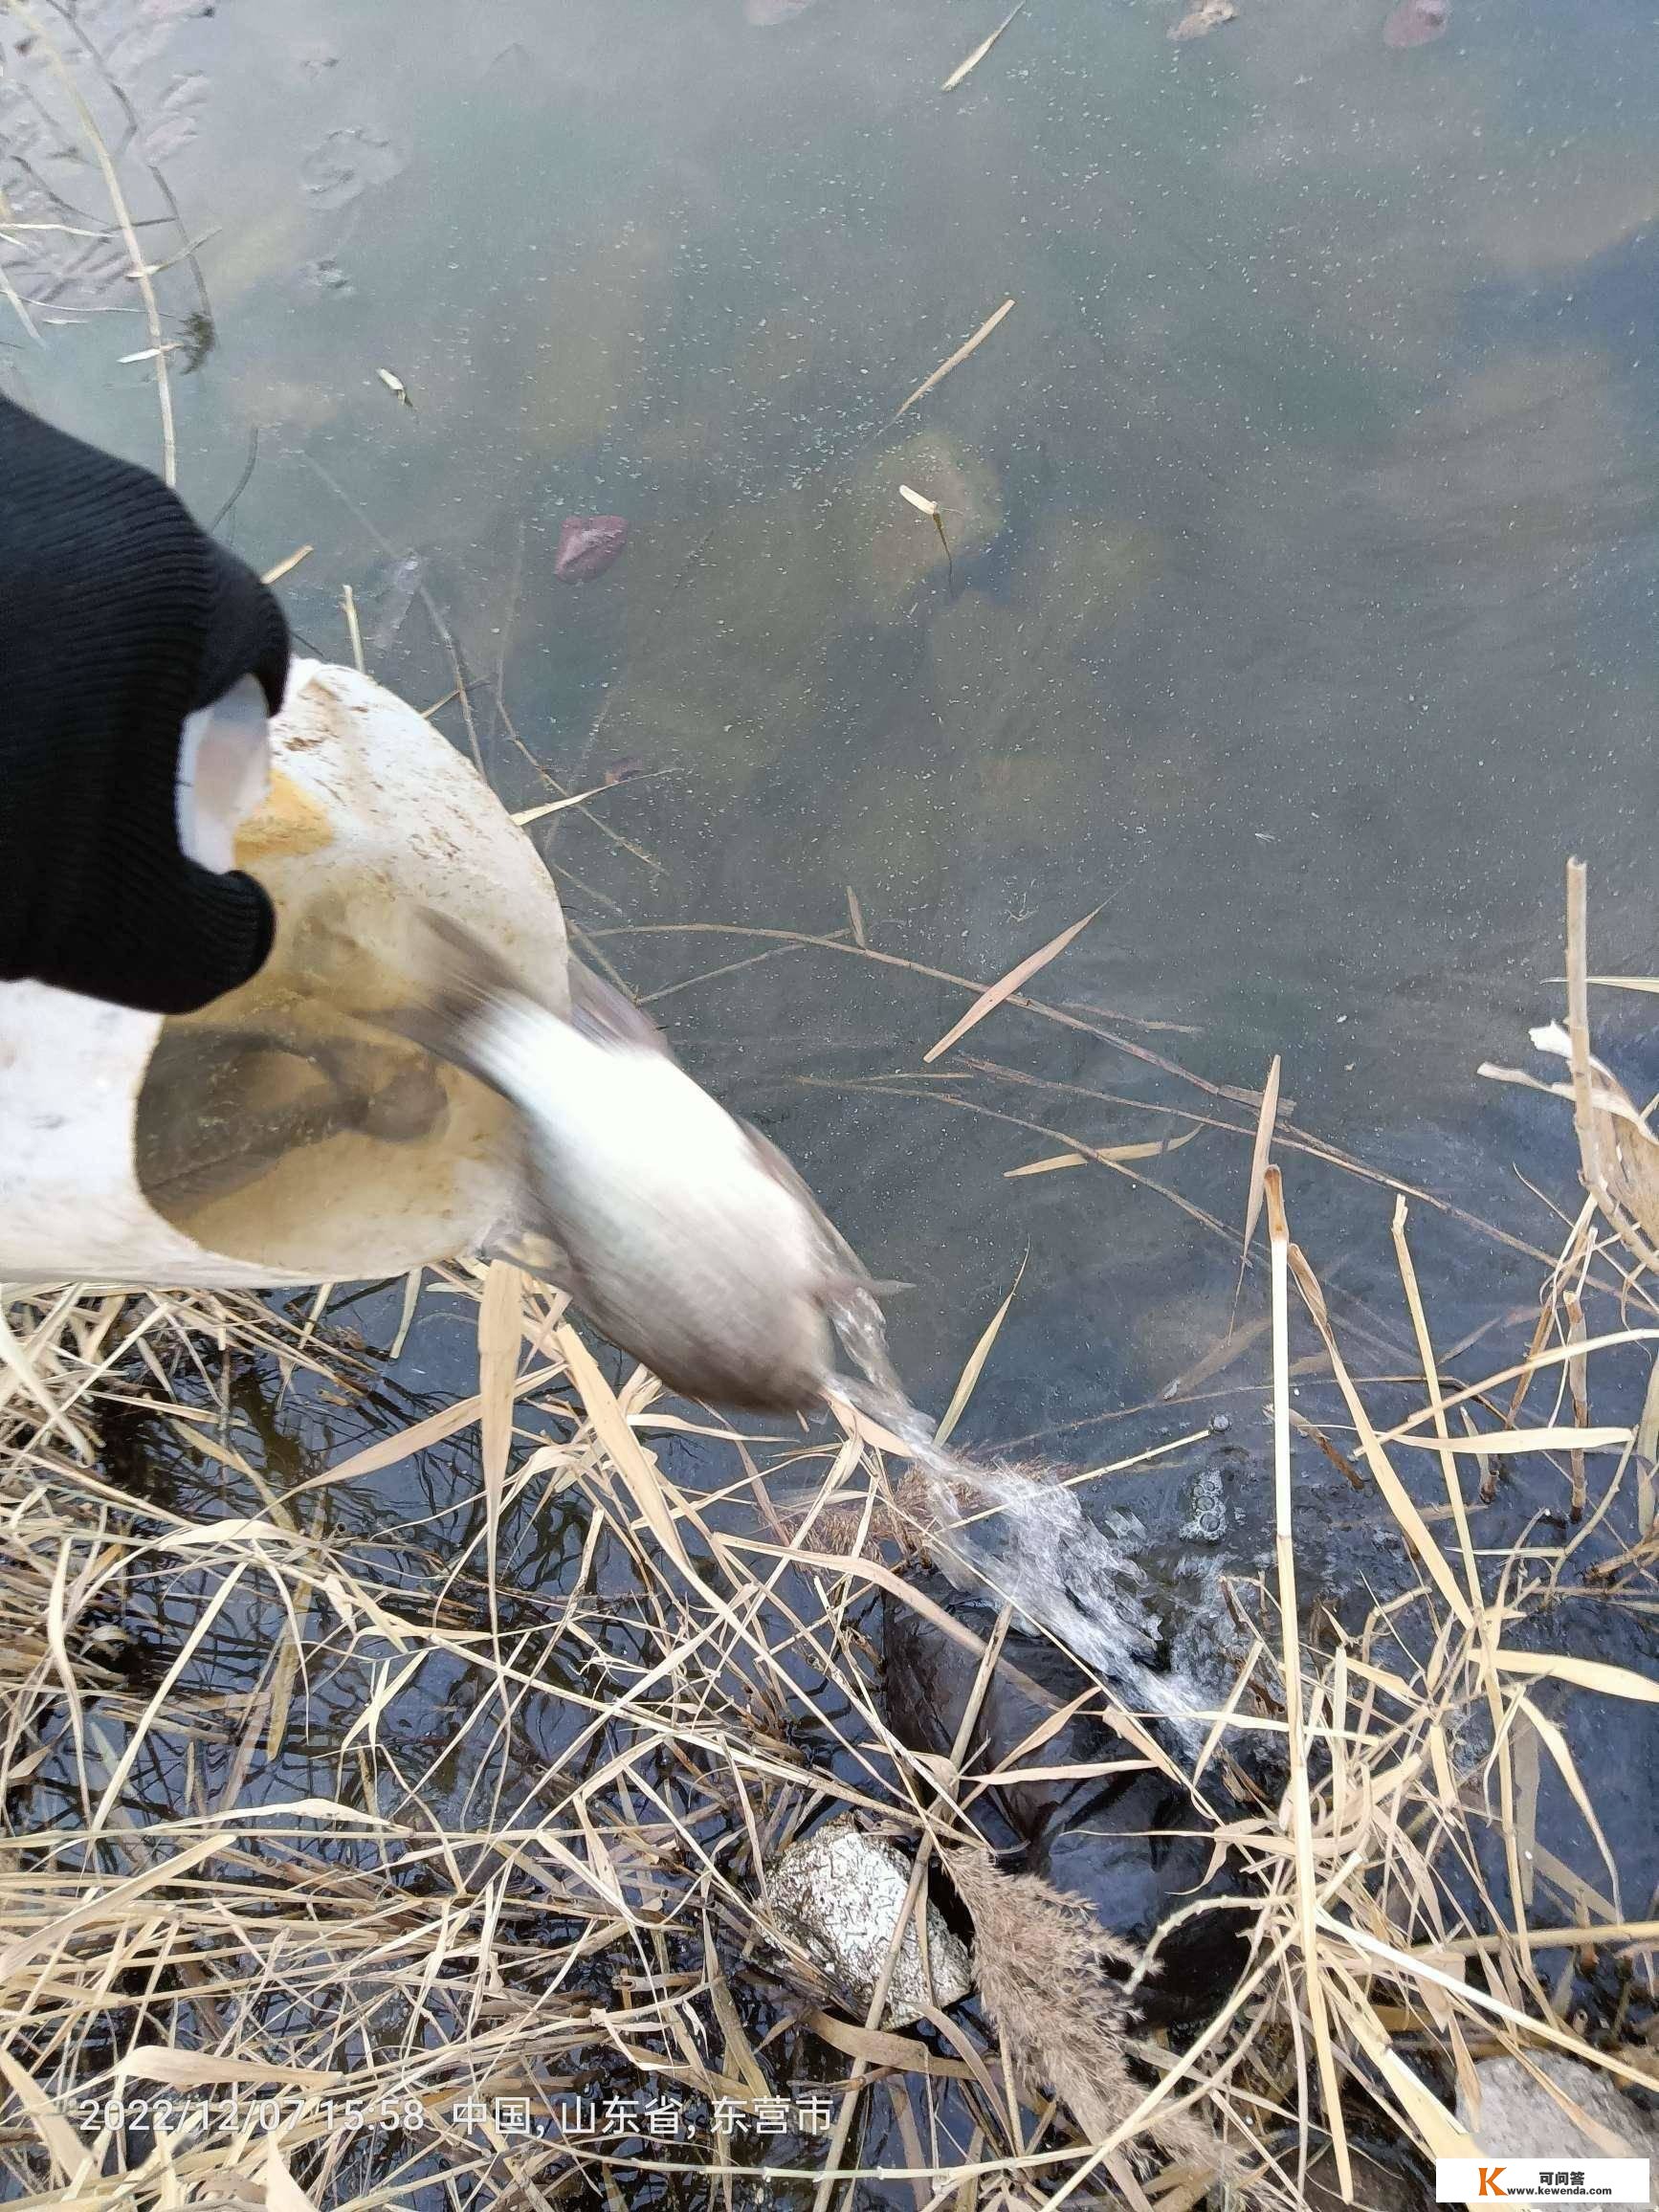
[1307,544]
[1305,618]
[1305,559]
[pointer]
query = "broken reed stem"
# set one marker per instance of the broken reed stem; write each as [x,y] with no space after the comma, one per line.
[1577,1383]
[1578,1027]
[1301,1808]
[1480,1619]
[138,268]
[348,603]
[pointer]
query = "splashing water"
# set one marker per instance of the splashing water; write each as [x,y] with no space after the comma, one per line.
[1029,1541]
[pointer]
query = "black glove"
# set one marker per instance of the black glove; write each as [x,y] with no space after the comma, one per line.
[119,617]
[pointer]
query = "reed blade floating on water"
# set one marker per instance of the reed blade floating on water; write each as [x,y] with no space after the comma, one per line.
[966,68]
[1007,986]
[957,359]
[930,508]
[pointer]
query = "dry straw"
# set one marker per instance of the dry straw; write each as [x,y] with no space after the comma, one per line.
[310,1808]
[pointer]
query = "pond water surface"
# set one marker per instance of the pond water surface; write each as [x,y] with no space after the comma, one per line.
[1304,614]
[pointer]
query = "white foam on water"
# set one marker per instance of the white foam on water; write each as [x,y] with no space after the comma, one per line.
[1028,1540]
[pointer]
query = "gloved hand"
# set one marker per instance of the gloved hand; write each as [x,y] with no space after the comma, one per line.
[119,617]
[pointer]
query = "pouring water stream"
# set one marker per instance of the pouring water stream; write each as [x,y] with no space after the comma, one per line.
[1067,1575]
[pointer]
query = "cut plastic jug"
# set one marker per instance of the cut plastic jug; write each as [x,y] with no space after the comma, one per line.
[282,1136]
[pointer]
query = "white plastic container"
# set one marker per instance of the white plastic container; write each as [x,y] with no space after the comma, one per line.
[278,1137]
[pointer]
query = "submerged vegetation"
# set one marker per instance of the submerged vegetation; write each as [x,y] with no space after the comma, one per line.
[352,1857]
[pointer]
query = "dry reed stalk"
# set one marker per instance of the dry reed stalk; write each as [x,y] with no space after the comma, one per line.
[966,69]
[1289,1615]
[961,353]
[307,1794]
[137,267]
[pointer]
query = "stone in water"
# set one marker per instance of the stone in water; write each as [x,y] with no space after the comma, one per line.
[587,546]
[839,1893]
[1200,21]
[1415,22]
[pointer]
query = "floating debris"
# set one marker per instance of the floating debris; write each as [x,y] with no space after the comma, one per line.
[765,14]
[1200,21]
[587,546]
[1005,985]
[967,67]
[892,558]
[199,339]
[348,602]
[397,388]
[1416,23]
[1108,1155]
[930,508]
[286,567]
[957,358]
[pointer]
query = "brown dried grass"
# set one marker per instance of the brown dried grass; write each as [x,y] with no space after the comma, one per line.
[442,1915]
